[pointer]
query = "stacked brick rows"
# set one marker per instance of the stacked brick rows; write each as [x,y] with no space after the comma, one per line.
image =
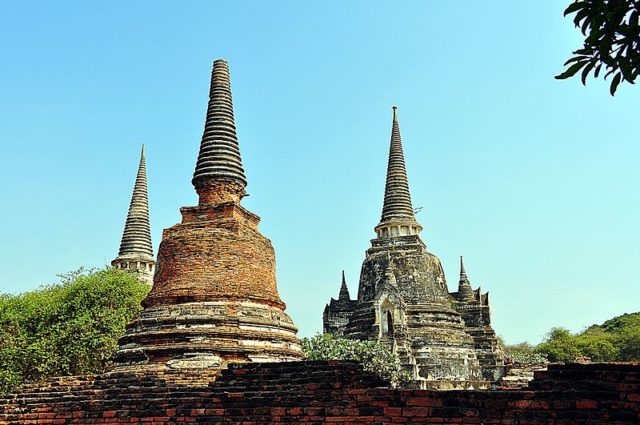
[325,392]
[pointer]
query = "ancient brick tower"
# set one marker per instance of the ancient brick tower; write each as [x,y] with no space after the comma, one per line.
[403,298]
[214,298]
[136,253]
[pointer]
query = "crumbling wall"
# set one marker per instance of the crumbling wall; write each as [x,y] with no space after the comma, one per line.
[326,392]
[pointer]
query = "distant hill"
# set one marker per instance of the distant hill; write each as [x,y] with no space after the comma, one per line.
[620,323]
[617,339]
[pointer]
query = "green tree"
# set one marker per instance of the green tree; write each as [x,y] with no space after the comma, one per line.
[612,40]
[628,343]
[69,328]
[372,355]
[559,346]
[597,344]
[524,353]
[625,335]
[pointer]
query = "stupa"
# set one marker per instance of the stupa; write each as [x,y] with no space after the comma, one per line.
[403,300]
[214,298]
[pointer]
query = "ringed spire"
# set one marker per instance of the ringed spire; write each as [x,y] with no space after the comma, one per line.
[344,291]
[465,291]
[136,252]
[219,157]
[398,217]
[397,198]
[136,238]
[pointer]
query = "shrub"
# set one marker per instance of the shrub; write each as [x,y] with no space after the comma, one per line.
[69,328]
[372,355]
[524,353]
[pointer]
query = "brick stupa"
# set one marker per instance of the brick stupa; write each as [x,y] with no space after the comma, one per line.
[214,298]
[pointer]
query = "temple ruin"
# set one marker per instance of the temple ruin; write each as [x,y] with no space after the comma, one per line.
[214,302]
[444,340]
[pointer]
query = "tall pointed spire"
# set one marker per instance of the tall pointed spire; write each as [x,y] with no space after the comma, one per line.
[219,159]
[344,291]
[136,252]
[398,217]
[397,199]
[465,291]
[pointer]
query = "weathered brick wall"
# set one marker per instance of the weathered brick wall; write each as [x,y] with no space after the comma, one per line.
[326,392]
[216,253]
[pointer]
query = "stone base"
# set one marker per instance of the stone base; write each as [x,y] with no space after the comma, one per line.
[207,335]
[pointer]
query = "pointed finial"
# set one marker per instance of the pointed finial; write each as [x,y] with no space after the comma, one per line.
[344,291]
[219,158]
[397,199]
[465,291]
[136,238]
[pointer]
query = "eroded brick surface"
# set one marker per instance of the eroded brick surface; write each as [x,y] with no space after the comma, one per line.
[325,392]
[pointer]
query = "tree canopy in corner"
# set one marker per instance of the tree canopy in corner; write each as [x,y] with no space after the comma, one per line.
[612,41]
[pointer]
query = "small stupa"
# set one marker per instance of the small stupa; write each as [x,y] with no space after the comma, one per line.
[136,252]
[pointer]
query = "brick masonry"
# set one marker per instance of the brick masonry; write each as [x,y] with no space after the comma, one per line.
[214,299]
[325,392]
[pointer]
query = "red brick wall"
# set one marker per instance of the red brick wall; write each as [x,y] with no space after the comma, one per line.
[327,392]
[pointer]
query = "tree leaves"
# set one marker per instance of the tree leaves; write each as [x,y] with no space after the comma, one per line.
[617,339]
[68,328]
[585,72]
[372,355]
[574,7]
[572,70]
[612,39]
[614,83]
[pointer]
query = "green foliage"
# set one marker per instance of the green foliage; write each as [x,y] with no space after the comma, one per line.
[625,331]
[524,353]
[612,40]
[559,346]
[628,342]
[617,339]
[620,323]
[70,328]
[598,345]
[372,355]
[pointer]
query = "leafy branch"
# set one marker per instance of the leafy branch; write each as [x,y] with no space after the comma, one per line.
[612,41]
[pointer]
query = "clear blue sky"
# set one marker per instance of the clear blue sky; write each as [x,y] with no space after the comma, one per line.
[533,180]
